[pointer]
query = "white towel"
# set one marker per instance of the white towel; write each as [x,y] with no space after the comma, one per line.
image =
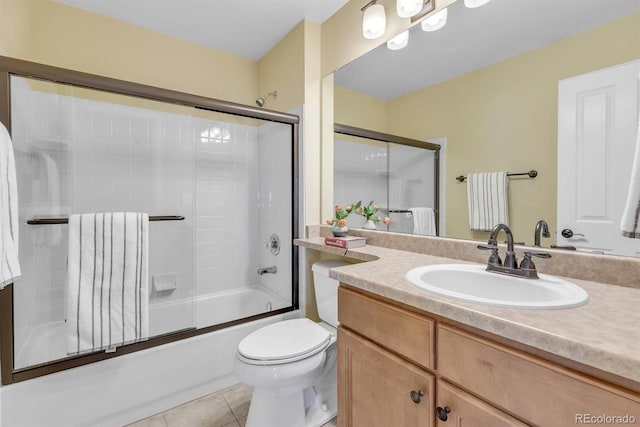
[487,198]
[424,221]
[107,281]
[631,214]
[9,264]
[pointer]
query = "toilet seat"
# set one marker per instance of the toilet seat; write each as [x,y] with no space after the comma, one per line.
[284,342]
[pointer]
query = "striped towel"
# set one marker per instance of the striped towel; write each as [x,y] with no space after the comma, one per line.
[487,197]
[107,281]
[631,214]
[9,265]
[424,221]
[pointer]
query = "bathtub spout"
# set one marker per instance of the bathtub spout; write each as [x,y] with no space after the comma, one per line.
[273,269]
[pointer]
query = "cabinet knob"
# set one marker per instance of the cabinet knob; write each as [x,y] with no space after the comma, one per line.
[442,413]
[416,396]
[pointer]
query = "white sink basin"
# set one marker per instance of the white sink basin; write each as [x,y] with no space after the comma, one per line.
[473,284]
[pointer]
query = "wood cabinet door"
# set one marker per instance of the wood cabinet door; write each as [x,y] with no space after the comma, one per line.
[466,410]
[374,387]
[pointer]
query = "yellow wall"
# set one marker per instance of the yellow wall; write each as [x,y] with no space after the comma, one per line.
[357,109]
[504,117]
[53,33]
[282,69]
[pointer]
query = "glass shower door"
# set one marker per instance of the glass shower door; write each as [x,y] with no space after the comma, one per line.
[82,151]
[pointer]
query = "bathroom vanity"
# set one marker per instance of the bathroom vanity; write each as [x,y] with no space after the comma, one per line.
[401,367]
[409,358]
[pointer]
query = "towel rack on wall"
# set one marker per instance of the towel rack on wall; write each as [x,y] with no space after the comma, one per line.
[400,211]
[531,173]
[51,221]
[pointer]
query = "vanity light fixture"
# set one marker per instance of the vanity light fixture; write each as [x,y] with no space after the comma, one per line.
[408,8]
[374,21]
[435,21]
[475,3]
[398,42]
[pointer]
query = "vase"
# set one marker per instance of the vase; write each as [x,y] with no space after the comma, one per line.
[339,231]
[369,225]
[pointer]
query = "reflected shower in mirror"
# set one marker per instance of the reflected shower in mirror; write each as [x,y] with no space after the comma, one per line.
[488,83]
[399,175]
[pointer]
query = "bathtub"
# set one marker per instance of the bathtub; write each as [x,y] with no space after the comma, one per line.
[140,384]
[211,309]
[46,341]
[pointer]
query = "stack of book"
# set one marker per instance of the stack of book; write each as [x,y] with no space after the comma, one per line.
[347,242]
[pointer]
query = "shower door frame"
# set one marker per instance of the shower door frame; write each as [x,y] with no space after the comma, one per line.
[21,68]
[401,140]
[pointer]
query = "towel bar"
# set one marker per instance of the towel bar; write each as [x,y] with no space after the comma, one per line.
[51,221]
[531,173]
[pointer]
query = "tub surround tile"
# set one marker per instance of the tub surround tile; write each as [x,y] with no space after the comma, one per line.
[602,334]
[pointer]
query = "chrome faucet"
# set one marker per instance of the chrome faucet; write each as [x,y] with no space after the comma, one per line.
[526,269]
[273,270]
[541,226]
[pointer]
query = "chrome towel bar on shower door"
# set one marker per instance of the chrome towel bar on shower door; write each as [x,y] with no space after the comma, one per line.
[50,221]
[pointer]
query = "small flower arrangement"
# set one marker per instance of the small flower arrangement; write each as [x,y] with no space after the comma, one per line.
[340,215]
[368,211]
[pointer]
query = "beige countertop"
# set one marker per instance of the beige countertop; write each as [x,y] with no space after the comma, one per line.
[604,333]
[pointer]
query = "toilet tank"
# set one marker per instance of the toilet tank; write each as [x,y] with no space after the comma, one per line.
[326,290]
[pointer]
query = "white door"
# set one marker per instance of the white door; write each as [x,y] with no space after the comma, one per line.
[597,125]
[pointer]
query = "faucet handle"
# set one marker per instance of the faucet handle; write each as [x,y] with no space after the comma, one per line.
[528,267]
[489,247]
[494,258]
[529,254]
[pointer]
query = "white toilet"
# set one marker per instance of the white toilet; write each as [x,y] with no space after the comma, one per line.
[292,364]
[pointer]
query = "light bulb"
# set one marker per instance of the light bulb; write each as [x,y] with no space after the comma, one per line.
[475,3]
[398,42]
[408,8]
[435,21]
[374,22]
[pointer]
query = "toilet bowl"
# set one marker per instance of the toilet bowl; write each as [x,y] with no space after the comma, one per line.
[292,364]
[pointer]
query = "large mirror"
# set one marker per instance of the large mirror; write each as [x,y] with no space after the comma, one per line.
[487,87]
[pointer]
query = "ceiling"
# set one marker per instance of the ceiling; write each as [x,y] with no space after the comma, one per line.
[247,28]
[475,38]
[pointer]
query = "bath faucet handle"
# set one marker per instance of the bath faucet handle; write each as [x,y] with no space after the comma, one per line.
[527,264]
[537,254]
[494,258]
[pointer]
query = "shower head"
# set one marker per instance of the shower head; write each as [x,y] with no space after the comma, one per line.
[260,101]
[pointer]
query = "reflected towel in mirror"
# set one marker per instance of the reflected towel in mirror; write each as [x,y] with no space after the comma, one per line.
[424,221]
[488,201]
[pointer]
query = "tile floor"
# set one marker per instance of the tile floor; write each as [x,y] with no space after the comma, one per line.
[225,408]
